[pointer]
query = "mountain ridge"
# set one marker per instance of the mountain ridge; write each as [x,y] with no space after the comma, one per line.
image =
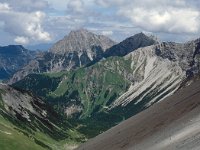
[76,50]
[130,44]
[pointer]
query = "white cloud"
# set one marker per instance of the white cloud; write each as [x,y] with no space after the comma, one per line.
[108,3]
[76,6]
[4,7]
[43,20]
[27,5]
[171,20]
[179,16]
[24,26]
[107,33]
[21,40]
[61,5]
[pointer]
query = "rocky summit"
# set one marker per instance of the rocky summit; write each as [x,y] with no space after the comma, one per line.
[81,41]
[130,44]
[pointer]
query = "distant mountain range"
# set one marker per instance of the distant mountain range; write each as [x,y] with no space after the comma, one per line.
[76,50]
[94,83]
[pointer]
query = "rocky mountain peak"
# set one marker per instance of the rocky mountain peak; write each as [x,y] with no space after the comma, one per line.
[130,44]
[79,32]
[141,34]
[81,40]
[77,49]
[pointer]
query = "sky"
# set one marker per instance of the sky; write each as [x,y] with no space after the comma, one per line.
[30,22]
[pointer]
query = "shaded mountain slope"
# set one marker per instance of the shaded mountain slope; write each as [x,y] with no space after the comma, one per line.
[12,59]
[130,44]
[172,124]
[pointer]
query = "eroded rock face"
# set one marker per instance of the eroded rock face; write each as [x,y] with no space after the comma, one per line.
[21,104]
[28,113]
[72,110]
[154,78]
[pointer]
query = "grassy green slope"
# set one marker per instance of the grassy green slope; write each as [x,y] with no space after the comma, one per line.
[11,139]
[19,134]
[93,89]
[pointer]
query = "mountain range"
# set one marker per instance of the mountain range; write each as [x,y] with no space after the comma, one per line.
[93,83]
[76,50]
[115,88]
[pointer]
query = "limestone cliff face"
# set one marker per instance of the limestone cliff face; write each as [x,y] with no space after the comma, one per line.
[22,105]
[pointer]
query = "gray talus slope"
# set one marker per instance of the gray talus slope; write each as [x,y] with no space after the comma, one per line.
[153,77]
[21,104]
[158,71]
[172,124]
